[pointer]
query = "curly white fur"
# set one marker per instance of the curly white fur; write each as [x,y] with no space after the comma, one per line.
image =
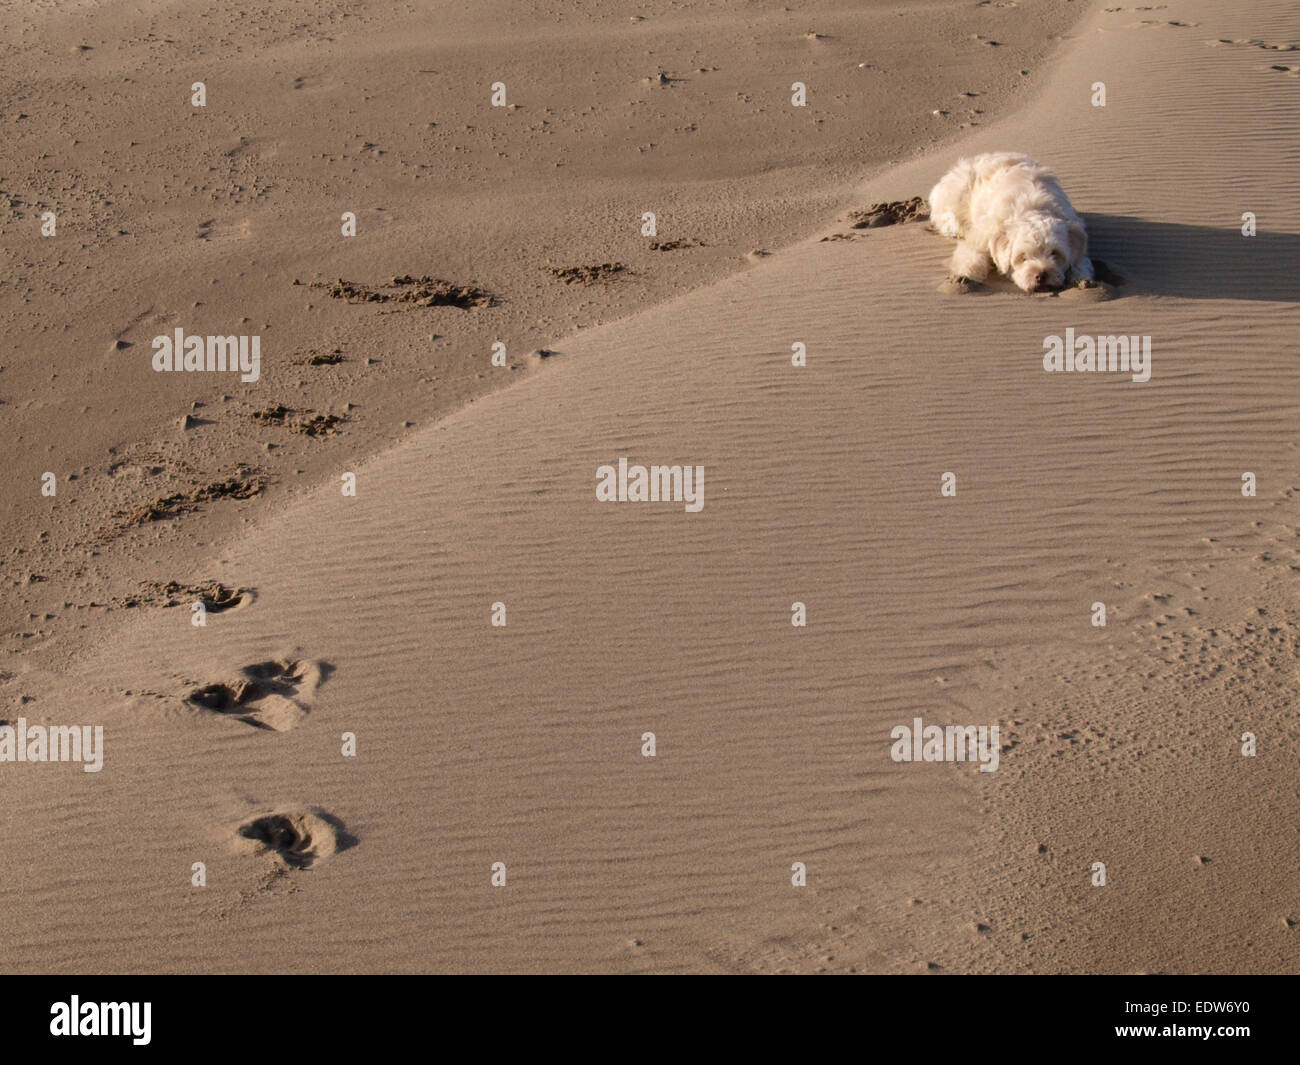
[1010,213]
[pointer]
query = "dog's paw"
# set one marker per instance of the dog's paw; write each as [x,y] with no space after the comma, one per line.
[1110,274]
[956,285]
[1087,291]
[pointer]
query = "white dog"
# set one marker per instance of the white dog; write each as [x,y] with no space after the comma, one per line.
[1007,211]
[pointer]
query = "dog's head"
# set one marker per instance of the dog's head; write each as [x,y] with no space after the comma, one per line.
[1036,251]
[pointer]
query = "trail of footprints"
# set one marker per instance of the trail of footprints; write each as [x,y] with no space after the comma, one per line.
[275,696]
[1290,69]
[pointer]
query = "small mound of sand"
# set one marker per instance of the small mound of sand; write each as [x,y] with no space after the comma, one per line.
[1109,278]
[1087,292]
[893,213]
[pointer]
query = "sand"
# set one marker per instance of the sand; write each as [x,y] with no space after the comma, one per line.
[359,756]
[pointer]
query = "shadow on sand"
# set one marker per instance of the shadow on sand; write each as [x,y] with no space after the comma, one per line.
[1197,262]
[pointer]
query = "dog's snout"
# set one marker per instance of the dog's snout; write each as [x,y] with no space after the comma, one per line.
[1036,279]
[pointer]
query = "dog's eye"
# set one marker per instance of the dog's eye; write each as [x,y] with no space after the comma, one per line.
[1019,259]
[1058,256]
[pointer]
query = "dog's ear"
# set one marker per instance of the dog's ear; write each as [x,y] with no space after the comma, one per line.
[1000,252]
[1078,241]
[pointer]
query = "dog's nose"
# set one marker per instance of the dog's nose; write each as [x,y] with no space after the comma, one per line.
[1037,280]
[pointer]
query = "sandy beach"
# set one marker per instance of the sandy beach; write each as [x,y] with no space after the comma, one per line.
[450,711]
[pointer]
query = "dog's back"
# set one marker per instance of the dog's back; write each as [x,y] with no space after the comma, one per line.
[951,199]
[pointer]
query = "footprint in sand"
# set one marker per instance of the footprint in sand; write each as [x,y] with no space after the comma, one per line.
[587,275]
[297,836]
[211,229]
[215,596]
[273,695]
[1254,42]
